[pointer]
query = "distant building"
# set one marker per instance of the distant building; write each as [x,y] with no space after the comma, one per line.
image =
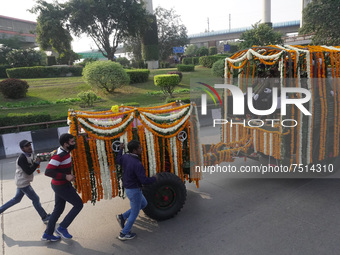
[10,27]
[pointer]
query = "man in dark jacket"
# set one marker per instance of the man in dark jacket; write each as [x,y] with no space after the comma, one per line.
[25,167]
[133,178]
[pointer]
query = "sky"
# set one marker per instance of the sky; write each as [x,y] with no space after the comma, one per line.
[194,14]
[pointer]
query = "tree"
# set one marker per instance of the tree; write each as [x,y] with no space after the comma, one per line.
[191,50]
[260,34]
[322,18]
[171,33]
[203,51]
[134,45]
[68,57]
[51,29]
[107,22]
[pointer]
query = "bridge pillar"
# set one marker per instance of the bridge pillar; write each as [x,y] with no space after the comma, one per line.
[212,44]
[266,17]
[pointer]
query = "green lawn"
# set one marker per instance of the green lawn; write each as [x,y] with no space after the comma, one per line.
[54,89]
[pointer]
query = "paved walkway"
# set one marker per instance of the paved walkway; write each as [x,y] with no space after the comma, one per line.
[223,216]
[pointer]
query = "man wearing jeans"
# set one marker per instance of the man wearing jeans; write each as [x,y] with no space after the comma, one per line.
[25,167]
[133,178]
[59,168]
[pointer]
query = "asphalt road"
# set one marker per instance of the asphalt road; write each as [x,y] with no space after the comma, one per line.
[223,216]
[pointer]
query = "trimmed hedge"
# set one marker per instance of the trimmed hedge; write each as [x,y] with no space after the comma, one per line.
[218,68]
[150,49]
[208,61]
[163,80]
[178,73]
[190,61]
[187,61]
[51,60]
[164,65]
[185,68]
[212,50]
[138,75]
[195,61]
[3,73]
[150,52]
[44,71]
[13,119]
[167,82]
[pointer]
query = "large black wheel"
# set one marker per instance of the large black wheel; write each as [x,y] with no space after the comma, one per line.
[165,197]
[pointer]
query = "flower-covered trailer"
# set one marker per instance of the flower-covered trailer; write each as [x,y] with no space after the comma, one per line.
[307,139]
[166,133]
[169,134]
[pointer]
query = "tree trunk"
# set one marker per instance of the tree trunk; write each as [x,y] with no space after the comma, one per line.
[111,56]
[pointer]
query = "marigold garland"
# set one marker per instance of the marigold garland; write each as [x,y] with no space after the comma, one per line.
[105,182]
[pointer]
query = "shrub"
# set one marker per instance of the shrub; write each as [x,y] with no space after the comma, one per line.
[178,91]
[187,61]
[185,68]
[164,64]
[13,119]
[24,57]
[44,71]
[14,88]
[123,61]
[212,50]
[218,68]
[68,100]
[178,73]
[51,60]
[132,104]
[190,61]
[138,75]
[87,97]
[3,73]
[184,100]
[208,61]
[106,75]
[3,54]
[167,82]
[195,60]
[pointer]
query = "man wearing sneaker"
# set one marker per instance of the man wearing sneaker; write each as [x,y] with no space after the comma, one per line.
[59,168]
[25,167]
[133,178]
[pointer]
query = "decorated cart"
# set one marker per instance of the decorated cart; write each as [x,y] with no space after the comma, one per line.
[167,135]
[170,139]
[308,139]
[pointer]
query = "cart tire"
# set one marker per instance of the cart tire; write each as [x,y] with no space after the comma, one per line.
[165,197]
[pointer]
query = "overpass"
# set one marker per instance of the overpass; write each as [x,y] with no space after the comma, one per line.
[10,27]
[210,39]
